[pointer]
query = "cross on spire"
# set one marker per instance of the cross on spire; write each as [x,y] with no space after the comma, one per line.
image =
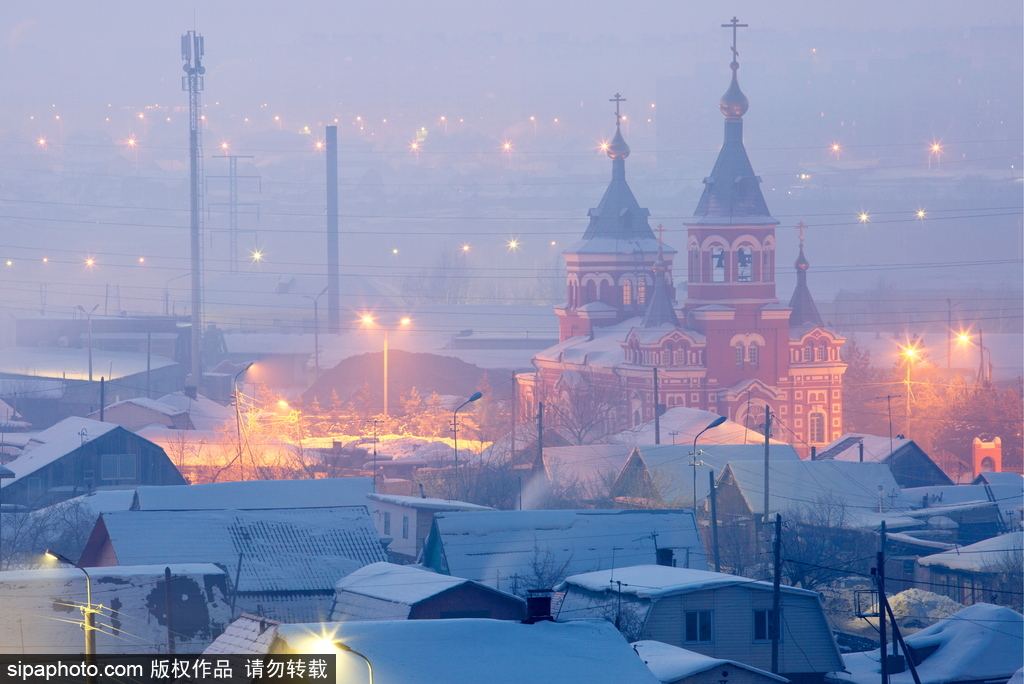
[801,227]
[617,99]
[660,230]
[734,24]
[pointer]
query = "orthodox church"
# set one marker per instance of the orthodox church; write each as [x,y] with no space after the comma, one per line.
[730,347]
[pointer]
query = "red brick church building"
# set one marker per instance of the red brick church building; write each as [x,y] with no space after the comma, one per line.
[729,347]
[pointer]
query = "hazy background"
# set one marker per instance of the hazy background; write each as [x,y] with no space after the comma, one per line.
[884,80]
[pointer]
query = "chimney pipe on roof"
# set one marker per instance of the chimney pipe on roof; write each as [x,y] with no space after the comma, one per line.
[538,606]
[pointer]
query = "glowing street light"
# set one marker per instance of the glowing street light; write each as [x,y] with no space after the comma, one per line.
[935,150]
[256,255]
[836,149]
[87,610]
[911,354]
[369,320]
[88,315]
[455,431]
[920,213]
[319,145]
[512,244]
[465,248]
[713,424]
[863,217]
[224,146]
[984,375]
[90,262]
[42,142]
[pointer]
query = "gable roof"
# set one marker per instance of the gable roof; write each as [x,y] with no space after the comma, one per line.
[247,634]
[670,663]
[507,549]
[476,650]
[427,503]
[655,581]
[671,470]
[996,554]
[282,550]
[876,448]
[686,423]
[255,494]
[396,583]
[54,443]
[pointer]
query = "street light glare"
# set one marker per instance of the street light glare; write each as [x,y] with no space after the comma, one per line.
[964,338]
[367,319]
[512,244]
[405,321]
[256,255]
[864,217]
[465,248]
[920,213]
[90,262]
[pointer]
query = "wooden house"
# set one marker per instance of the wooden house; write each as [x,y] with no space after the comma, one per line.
[385,591]
[406,520]
[909,464]
[133,414]
[983,572]
[77,456]
[714,614]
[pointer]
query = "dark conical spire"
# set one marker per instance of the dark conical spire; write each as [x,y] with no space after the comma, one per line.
[804,309]
[660,310]
[619,215]
[732,189]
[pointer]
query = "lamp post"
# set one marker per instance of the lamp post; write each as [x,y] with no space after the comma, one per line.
[404,321]
[87,611]
[349,649]
[88,315]
[910,354]
[5,474]
[316,330]
[455,432]
[983,377]
[713,424]
[167,292]
[238,415]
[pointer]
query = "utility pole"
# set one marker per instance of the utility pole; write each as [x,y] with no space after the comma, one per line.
[776,622]
[766,531]
[880,581]
[103,397]
[333,269]
[168,598]
[192,50]
[233,204]
[515,416]
[713,495]
[657,412]
[540,429]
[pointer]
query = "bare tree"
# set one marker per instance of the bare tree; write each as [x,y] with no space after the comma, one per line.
[584,408]
[820,544]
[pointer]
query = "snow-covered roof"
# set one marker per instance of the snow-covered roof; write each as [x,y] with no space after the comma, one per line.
[670,663]
[1008,498]
[69,363]
[247,634]
[55,442]
[671,469]
[475,650]
[99,501]
[989,555]
[798,484]
[151,404]
[505,549]
[587,462]
[281,550]
[204,413]
[401,585]
[655,581]
[686,423]
[876,449]
[980,643]
[1000,479]
[256,494]
[428,503]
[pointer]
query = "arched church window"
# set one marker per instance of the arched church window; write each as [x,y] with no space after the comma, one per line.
[636,418]
[752,354]
[694,275]
[627,293]
[641,291]
[822,351]
[816,422]
[668,354]
[717,265]
[739,353]
[808,352]
[745,264]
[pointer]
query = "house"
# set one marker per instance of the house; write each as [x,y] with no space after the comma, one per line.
[980,572]
[282,563]
[717,615]
[979,510]
[663,476]
[909,464]
[255,494]
[247,633]
[385,591]
[78,455]
[467,650]
[520,550]
[407,520]
[981,643]
[132,414]
[674,665]
[40,613]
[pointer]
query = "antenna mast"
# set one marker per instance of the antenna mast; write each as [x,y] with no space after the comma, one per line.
[192,82]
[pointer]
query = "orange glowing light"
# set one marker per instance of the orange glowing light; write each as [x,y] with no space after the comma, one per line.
[920,213]
[414,146]
[964,338]
[835,147]
[604,146]
[319,145]
[223,146]
[465,248]
[936,147]
[405,321]
[131,142]
[507,146]
[142,260]
[512,244]
[367,319]
[90,262]
[10,263]
[864,217]
[41,142]
[394,251]
[46,260]
[256,255]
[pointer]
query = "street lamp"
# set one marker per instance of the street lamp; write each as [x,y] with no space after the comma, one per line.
[5,474]
[404,321]
[88,315]
[983,376]
[909,354]
[87,611]
[455,431]
[238,416]
[316,330]
[349,649]
[713,424]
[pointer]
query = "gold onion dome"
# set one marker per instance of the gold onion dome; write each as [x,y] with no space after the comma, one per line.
[617,148]
[734,102]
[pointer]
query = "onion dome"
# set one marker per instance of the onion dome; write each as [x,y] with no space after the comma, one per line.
[617,148]
[801,262]
[734,102]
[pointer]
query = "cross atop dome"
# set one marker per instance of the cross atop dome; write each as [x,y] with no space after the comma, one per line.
[617,99]
[735,24]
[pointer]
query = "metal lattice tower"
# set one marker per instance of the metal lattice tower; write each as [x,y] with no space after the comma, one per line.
[192,54]
[233,204]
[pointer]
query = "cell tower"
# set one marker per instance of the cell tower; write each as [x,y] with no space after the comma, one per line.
[192,82]
[233,204]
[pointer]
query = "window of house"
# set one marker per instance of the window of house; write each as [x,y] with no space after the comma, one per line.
[764,625]
[739,353]
[717,265]
[698,625]
[752,354]
[405,527]
[641,291]
[745,261]
[117,467]
[816,422]
[627,293]
[820,352]
[387,523]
